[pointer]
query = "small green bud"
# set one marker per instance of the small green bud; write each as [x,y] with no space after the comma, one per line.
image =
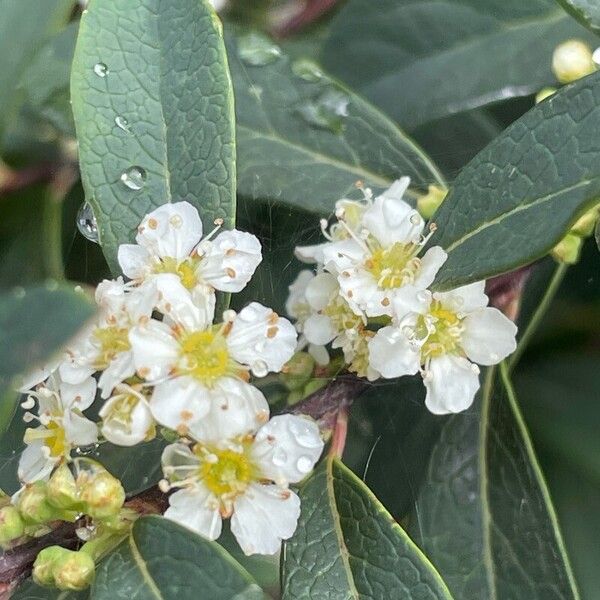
[572,60]
[43,567]
[11,524]
[313,386]
[544,93]
[568,249]
[585,224]
[102,494]
[33,505]
[298,370]
[294,397]
[62,489]
[74,571]
[430,202]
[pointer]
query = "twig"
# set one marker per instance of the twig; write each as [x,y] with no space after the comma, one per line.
[13,181]
[312,11]
[505,291]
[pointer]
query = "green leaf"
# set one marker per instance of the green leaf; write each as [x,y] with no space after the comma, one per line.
[24,27]
[304,140]
[153,107]
[518,197]
[29,590]
[348,546]
[164,560]
[586,11]
[420,60]
[484,516]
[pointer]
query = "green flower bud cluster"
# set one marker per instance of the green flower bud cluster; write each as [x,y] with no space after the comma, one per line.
[302,376]
[64,569]
[428,203]
[568,250]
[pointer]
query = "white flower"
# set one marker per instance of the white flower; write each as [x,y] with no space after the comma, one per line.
[245,477]
[444,334]
[374,265]
[105,346]
[62,426]
[196,365]
[169,240]
[126,417]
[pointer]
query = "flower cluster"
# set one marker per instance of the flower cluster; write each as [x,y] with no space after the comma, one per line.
[370,296]
[159,361]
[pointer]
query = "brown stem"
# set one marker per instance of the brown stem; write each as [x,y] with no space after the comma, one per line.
[505,291]
[312,11]
[12,181]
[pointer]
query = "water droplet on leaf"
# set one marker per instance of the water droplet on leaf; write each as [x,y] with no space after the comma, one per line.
[307,70]
[122,123]
[101,69]
[134,178]
[327,111]
[86,223]
[257,50]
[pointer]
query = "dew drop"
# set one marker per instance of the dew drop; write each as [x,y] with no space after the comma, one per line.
[134,178]
[122,123]
[415,219]
[86,223]
[101,69]
[51,285]
[327,111]
[303,434]
[307,70]
[423,296]
[260,368]
[304,464]
[257,50]
[596,56]
[279,457]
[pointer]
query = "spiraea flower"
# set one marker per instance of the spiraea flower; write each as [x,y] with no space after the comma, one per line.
[105,345]
[169,240]
[445,336]
[195,364]
[244,476]
[62,426]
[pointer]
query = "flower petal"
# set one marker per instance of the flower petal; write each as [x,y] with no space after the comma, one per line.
[451,382]
[464,299]
[489,336]
[135,261]
[321,290]
[431,262]
[155,350]
[34,463]
[392,354]
[196,509]
[130,432]
[287,448]
[296,305]
[120,368]
[338,256]
[79,431]
[78,396]
[263,516]
[360,290]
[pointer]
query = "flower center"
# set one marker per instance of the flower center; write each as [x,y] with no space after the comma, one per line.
[445,331]
[205,356]
[341,315]
[185,270]
[228,473]
[395,266]
[55,442]
[113,340]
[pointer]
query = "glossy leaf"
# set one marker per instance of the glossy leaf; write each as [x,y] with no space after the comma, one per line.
[153,108]
[485,518]
[164,560]
[24,27]
[303,139]
[348,546]
[586,11]
[518,197]
[420,60]
[28,590]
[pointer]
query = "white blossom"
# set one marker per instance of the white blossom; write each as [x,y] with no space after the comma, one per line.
[444,335]
[245,477]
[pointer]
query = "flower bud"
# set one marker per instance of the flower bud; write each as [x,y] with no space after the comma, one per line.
[568,249]
[103,495]
[11,524]
[298,370]
[430,202]
[33,505]
[585,224]
[572,60]
[62,490]
[43,567]
[544,93]
[315,385]
[74,571]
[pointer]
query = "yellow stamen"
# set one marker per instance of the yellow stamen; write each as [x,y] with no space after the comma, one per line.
[205,356]
[395,266]
[228,475]
[113,340]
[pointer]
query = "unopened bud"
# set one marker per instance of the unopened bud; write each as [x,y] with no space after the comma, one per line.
[103,495]
[430,202]
[298,370]
[544,93]
[33,505]
[45,562]
[11,524]
[62,490]
[313,386]
[74,571]
[585,224]
[572,60]
[568,249]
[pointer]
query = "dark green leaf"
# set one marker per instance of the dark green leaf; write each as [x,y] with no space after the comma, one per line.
[586,11]
[29,590]
[304,139]
[348,546]
[517,198]
[153,108]
[420,60]
[164,560]
[24,27]
[485,517]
